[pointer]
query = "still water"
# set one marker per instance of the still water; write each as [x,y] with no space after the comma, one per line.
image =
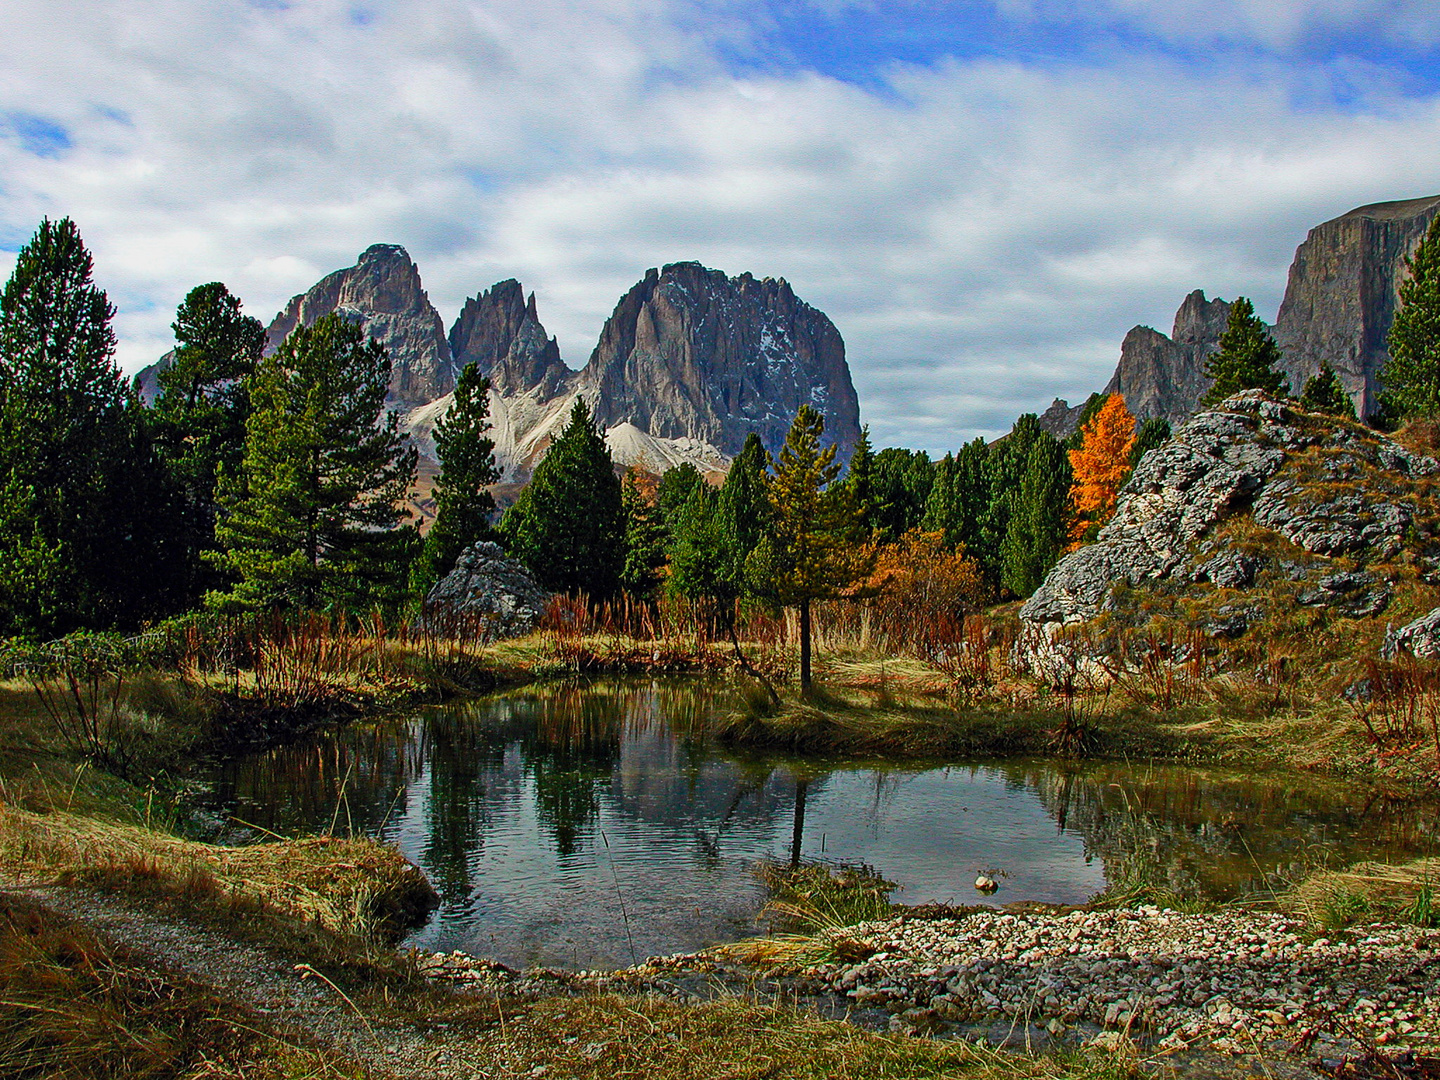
[590,826]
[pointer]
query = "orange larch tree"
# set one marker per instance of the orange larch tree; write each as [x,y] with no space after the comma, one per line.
[1100,466]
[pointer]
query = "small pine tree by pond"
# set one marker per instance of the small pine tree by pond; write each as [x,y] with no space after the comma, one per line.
[1411,377]
[1247,358]
[568,526]
[1324,394]
[813,550]
[313,518]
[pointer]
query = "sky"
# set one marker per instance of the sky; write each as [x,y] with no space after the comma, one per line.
[983,196]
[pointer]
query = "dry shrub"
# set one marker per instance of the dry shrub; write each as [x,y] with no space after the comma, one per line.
[920,592]
[1402,707]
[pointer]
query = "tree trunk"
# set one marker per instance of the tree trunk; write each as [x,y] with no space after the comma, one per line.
[805,644]
[797,828]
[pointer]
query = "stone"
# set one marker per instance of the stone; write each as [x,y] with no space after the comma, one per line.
[486,591]
[1163,376]
[1419,638]
[501,334]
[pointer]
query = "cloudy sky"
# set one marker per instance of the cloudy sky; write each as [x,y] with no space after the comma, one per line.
[984,196]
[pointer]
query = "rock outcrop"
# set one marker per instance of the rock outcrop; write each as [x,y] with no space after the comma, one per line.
[691,354]
[1254,503]
[487,594]
[1418,638]
[382,292]
[1341,295]
[1163,376]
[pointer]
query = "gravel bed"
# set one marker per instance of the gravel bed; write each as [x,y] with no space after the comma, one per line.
[1233,981]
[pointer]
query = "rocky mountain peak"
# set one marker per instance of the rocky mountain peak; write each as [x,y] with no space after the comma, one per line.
[692,354]
[501,333]
[1165,376]
[1200,322]
[383,292]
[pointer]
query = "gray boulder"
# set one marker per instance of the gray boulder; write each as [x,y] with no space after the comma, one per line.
[487,593]
[1419,638]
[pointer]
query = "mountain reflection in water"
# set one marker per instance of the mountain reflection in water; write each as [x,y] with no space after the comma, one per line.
[549,817]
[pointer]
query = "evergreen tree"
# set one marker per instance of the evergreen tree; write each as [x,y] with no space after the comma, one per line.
[1323,393]
[463,503]
[1092,405]
[813,548]
[313,518]
[1003,471]
[1411,377]
[1100,466]
[199,420]
[1040,520]
[861,478]
[645,536]
[697,551]
[742,515]
[78,480]
[676,486]
[901,486]
[1247,358]
[1151,433]
[568,526]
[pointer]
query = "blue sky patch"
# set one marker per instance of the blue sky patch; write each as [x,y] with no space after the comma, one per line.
[36,135]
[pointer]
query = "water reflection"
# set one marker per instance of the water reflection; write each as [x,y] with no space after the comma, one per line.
[548,819]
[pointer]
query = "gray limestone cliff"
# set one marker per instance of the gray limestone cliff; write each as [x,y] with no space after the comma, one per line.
[1165,376]
[382,291]
[1341,295]
[690,353]
[499,332]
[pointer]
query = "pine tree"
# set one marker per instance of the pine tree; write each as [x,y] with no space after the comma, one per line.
[742,515]
[568,526]
[1411,377]
[1323,393]
[1100,466]
[77,478]
[813,545]
[676,486]
[313,518]
[1040,521]
[463,503]
[198,421]
[999,487]
[861,478]
[1247,358]
[902,482]
[697,551]
[645,536]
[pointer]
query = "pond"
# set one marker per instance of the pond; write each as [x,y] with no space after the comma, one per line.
[590,826]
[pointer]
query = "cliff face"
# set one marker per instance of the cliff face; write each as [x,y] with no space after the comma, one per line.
[383,292]
[1165,376]
[691,354]
[1341,295]
[500,332]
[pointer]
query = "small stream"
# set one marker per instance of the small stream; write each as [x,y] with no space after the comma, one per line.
[589,826]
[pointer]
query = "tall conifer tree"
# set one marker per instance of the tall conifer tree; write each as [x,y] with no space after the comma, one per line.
[1040,521]
[79,481]
[313,519]
[1323,393]
[463,503]
[1247,359]
[199,420]
[1411,377]
[568,526]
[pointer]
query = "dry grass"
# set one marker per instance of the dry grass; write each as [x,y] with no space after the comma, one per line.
[1370,891]
[73,1007]
[612,1038]
[349,887]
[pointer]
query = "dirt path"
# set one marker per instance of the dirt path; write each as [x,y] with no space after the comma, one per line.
[299,1006]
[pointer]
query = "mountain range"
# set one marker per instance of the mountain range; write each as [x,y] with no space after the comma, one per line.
[689,364]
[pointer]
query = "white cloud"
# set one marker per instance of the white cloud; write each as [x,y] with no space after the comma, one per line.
[983,234]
